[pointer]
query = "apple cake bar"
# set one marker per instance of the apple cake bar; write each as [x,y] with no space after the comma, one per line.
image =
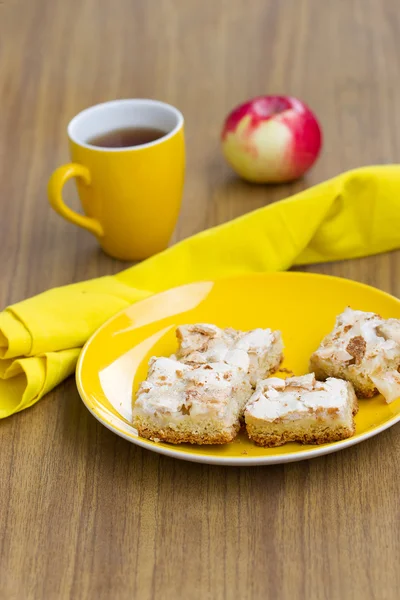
[301,409]
[191,403]
[364,349]
[204,343]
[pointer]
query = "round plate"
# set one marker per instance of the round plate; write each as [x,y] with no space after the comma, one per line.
[302,305]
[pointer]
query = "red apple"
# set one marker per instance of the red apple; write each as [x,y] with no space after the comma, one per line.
[271,139]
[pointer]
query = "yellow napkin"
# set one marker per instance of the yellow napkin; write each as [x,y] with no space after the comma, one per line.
[355,214]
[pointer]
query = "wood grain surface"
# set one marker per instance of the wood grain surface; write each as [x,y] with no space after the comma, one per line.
[83,513]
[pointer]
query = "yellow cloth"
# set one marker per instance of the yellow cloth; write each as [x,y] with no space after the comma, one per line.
[355,214]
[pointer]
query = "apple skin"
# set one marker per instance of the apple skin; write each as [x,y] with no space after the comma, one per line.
[271,139]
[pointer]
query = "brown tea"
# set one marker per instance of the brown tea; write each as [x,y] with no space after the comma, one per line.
[126,137]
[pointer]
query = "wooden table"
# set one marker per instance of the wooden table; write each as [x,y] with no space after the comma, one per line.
[83,513]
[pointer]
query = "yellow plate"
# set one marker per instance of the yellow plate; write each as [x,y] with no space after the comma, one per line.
[302,305]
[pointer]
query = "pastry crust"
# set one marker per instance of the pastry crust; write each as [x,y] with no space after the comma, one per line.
[208,435]
[315,437]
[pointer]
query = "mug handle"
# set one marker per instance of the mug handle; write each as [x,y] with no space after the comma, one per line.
[54,190]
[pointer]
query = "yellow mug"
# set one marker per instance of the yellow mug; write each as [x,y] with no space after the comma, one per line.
[131,196]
